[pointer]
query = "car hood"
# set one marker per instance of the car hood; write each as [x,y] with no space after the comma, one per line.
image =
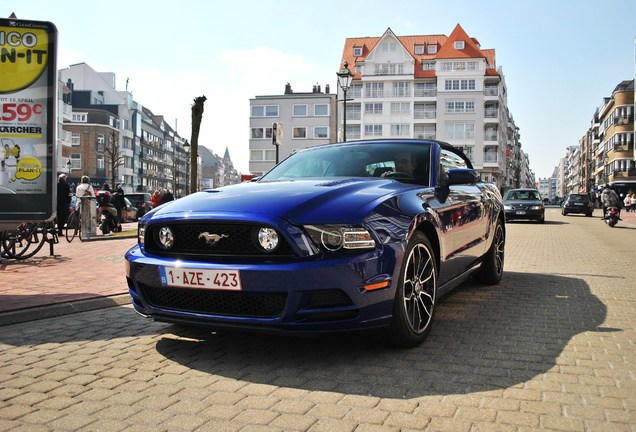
[299,201]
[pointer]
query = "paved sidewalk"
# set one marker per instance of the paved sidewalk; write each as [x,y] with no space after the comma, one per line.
[81,275]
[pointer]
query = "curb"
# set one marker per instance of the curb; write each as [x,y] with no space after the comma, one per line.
[50,311]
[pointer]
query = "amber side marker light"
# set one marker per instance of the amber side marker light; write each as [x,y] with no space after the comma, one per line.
[375,286]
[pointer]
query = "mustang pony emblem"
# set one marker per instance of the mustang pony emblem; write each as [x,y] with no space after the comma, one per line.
[212,239]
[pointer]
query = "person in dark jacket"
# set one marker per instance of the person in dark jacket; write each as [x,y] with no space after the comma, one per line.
[119,203]
[63,202]
[167,196]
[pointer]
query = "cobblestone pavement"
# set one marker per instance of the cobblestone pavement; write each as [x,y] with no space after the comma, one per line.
[550,348]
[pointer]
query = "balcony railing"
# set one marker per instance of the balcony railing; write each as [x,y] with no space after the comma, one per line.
[425,92]
[491,91]
[425,114]
[490,136]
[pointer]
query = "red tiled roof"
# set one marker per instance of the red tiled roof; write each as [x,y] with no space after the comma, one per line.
[445,44]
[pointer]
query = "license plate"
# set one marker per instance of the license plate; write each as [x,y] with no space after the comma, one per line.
[578,204]
[199,278]
[520,212]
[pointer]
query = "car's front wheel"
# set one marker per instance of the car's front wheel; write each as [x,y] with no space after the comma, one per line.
[414,303]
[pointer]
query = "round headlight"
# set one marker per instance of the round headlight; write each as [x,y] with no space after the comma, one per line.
[267,239]
[332,239]
[166,238]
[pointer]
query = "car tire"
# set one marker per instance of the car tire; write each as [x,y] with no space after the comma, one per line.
[415,295]
[564,213]
[491,268]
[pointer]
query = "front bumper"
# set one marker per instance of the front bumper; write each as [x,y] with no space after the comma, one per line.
[299,296]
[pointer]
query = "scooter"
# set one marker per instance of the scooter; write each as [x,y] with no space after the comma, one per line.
[612,216]
[108,220]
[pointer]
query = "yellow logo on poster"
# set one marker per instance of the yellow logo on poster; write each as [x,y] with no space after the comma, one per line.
[23,57]
[29,168]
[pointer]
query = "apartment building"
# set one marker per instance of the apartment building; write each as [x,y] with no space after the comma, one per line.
[305,120]
[606,150]
[434,87]
[150,153]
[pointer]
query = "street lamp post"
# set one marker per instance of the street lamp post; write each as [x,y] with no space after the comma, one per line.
[345,76]
[186,147]
[68,166]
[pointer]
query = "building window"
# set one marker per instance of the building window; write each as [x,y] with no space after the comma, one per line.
[299,111]
[431,49]
[400,107]
[372,130]
[373,108]
[374,90]
[472,65]
[299,133]
[400,130]
[355,91]
[321,132]
[257,133]
[459,85]
[264,110]
[425,89]
[459,45]
[357,51]
[75,139]
[321,110]
[401,89]
[460,131]
[428,65]
[353,112]
[418,49]
[460,106]
[76,161]
[262,155]
[389,47]
[80,117]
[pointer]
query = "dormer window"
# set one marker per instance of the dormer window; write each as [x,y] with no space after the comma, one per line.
[357,51]
[418,49]
[459,45]
[431,49]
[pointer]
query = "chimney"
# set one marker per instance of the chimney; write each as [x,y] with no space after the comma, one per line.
[326,88]
[288,89]
[318,88]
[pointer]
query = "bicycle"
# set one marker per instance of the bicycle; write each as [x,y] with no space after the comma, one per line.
[73,226]
[17,244]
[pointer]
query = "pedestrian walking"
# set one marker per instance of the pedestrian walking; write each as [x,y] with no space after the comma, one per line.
[155,200]
[627,202]
[632,206]
[63,202]
[84,189]
[167,196]
[119,202]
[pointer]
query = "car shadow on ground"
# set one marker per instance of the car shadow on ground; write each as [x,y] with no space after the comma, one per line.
[483,338]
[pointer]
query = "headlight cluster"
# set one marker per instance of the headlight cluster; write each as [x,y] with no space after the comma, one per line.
[537,207]
[141,231]
[336,237]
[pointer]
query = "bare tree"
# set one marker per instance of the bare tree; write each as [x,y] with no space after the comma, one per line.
[113,157]
[197,115]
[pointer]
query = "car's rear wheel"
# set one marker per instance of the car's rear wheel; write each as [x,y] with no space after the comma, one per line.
[491,268]
[414,304]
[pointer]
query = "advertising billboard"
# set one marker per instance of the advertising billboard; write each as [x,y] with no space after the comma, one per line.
[28,125]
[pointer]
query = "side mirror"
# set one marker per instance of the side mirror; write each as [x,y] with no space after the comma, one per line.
[459,176]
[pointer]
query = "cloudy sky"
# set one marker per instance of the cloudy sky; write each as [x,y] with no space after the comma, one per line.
[560,58]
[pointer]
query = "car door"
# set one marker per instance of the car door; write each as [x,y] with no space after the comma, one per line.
[463,215]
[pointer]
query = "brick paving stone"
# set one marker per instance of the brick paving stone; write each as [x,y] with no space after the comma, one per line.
[551,348]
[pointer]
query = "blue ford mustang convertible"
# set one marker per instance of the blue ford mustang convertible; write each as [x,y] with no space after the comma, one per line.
[340,237]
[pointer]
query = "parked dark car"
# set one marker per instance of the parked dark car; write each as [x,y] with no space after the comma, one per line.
[141,201]
[577,203]
[524,204]
[356,235]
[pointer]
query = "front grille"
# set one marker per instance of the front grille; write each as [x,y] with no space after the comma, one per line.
[235,240]
[215,302]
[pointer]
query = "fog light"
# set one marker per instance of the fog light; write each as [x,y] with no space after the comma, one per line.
[267,239]
[166,238]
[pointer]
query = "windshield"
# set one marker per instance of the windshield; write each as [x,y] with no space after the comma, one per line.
[522,195]
[404,162]
[578,198]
